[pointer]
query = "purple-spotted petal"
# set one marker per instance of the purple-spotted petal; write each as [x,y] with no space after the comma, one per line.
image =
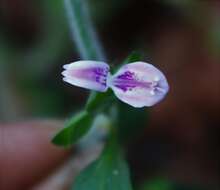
[87,74]
[139,84]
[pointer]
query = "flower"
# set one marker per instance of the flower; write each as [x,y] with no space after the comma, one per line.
[87,74]
[138,84]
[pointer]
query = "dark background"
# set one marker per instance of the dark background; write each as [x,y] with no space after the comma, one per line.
[181,141]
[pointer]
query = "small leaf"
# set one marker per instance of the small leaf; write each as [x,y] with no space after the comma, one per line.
[158,184]
[108,172]
[75,128]
[133,57]
[166,184]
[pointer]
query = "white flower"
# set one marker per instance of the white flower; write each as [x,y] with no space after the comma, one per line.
[138,84]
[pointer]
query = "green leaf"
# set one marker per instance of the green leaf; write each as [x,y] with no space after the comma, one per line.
[133,57]
[75,128]
[99,101]
[158,184]
[108,172]
[166,184]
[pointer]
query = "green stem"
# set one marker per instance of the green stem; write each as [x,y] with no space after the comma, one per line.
[82,30]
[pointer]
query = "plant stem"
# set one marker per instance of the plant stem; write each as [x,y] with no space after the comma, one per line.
[82,30]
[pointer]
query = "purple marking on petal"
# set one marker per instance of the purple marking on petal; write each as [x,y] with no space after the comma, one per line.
[87,74]
[127,75]
[139,84]
[128,81]
[93,74]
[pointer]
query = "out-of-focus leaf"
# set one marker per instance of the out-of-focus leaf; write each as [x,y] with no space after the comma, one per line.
[158,184]
[165,184]
[131,121]
[101,14]
[76,128]
[108,172]
[214,32]
[52,42]
[180,186]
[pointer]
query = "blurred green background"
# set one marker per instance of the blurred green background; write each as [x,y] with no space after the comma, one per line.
[181,142]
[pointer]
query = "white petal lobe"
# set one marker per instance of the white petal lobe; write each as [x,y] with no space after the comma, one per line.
[87,74]
[139,84]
